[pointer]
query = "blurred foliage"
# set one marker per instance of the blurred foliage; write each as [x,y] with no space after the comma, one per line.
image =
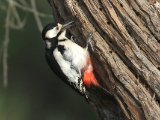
[33,91]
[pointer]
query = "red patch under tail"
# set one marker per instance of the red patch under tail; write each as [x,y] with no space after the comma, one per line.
[88,75]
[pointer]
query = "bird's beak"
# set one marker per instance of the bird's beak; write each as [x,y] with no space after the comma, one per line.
[67,25]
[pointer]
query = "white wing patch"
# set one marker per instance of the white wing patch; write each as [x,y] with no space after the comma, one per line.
[77,55]
[74,76]
[72,61]
[65,66]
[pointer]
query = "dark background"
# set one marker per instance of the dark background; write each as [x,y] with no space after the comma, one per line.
[34,92]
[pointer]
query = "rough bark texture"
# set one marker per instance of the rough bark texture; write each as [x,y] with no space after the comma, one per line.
[126,56]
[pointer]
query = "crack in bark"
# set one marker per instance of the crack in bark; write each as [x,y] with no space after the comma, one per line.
[122,65]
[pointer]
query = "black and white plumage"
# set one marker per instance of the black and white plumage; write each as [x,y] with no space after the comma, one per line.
[66,58]
[71,62]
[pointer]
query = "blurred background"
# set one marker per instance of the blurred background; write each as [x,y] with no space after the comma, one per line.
[28,88]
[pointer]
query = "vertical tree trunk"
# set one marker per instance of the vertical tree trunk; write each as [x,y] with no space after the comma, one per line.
[126,56]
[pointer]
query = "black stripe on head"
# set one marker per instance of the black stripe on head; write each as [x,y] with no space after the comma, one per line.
[62,40]
[59,34]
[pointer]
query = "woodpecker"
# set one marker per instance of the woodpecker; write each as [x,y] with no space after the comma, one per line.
[72,63]
[68,60]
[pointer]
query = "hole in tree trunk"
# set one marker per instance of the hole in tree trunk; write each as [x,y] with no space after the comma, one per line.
[121,5]
[100,9]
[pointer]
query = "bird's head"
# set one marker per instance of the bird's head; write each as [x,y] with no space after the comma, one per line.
[52,30]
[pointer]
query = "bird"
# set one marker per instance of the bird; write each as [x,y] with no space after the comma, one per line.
[73,65]
[68,60]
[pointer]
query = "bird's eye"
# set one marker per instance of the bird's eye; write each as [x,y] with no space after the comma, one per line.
[57,28]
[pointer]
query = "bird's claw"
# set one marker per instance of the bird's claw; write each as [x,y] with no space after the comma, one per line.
[90,41]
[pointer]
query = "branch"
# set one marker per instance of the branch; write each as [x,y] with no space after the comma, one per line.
[15,22]
[127,50]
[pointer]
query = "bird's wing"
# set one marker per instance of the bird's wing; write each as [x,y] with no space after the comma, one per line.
[56,68]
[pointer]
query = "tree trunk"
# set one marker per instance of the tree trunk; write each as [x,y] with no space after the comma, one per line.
[126,55]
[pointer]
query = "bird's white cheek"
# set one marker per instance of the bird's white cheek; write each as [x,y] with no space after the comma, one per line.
[51,33]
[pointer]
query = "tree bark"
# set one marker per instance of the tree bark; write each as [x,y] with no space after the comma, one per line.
[126,55]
